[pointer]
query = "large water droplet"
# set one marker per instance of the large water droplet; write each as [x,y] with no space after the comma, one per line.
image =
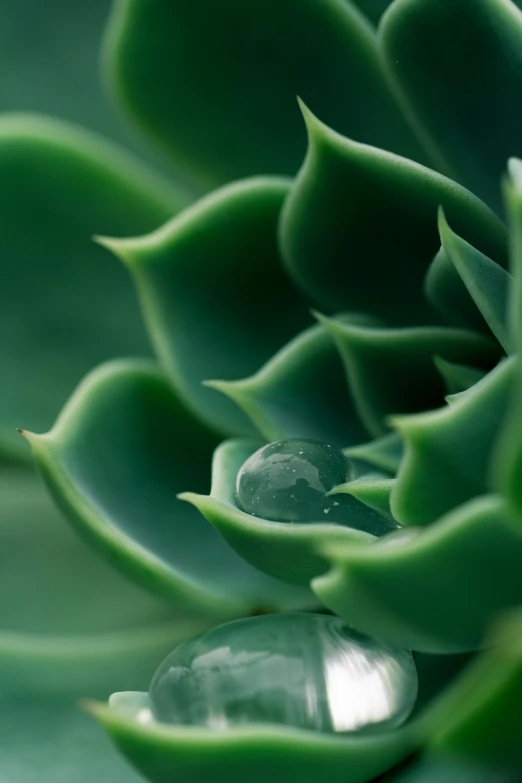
[288,481]
[306,670]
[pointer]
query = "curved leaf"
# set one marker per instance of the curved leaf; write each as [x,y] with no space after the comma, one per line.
[392,370]
[457,377]
[219,256]
[488,284]
[120,451]
[69,624]
[447,294]
[300,392]
[374,489]
[384,454]
[507,461]
[286,551]
[448,451]
[328,227]
[394,588]
[165,752]
[478,718]
[64,303]
[215,85]
[464,103]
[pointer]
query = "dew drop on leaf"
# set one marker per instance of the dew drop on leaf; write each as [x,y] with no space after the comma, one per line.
[305,670]
[288,481]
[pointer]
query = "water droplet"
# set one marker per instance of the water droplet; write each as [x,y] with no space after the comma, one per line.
[306,670]
[288,481]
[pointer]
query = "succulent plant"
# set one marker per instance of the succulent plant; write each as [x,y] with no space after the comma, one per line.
[317,467]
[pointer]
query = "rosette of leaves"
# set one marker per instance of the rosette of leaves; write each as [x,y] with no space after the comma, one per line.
[398,235]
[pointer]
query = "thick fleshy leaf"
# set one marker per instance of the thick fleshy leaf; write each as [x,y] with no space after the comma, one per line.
[479,717]
[65,303]
[329,238]
[374,489]
[507,464]
[392,370]
[215,86]
[215,298]
[487,283]
[447,294]
[463,103]
[300,392]
[384,454]
[394,590]
[287,551]
[448,451]
[120,451]
[165,752]
[513,200]
[70,624]
[457,377]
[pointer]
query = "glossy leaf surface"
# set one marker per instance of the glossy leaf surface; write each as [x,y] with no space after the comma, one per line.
[448,451]
[300,392]
[328,229]
[215,85]
[65,304]
[487,283]
[287,551]
[256,753]
[120,452]
[446,96]
[394,589]
[218,257]
[392,370]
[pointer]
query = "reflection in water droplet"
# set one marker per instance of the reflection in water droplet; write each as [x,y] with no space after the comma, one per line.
[288,481]
[306,670]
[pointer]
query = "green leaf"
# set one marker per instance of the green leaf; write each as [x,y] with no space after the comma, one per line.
[328,228]
[392,370]
[121,450]
[53,742]
[434,768]
[70,627]
[286,551]
[374,489]
[447,294]
[64,303]
[394,590]
[463,101]
[383,454]
[478,718]
[218,257]
[448,451]
[42,72]
[215,86]
[457,377]
[373,9]
[300,392]
[488,284]
[165,752]
[507,462]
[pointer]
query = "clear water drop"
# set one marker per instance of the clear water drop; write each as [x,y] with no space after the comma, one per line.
[305,670]
[288,481]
